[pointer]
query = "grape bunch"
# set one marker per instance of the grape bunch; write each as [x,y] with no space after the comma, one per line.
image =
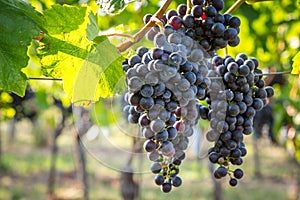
[163,85]
[203,23]
[236,93]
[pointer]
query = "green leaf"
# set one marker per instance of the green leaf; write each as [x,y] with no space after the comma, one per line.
[19,23]
[89,69]
[99,74]
[296,64]
[111,7]
[92,28]
[64,19]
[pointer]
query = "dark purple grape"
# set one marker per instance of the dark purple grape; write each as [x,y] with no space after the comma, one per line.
[210,11]
[197,11]
[172,133]
[221,171]
[238,173]
[150,146]
[166,187]
[159,179]
[256,63]
[218,29]
[176,181]
[134,60]
[226,19]
[181,9]
[141,51]
[228,60]
[171,13]
[233,182]
[234,22]
[244,151]
[257,104]
[244,70]
[147,91]
[146,103]
[176,22]
[143,120]
[205,44]
[213,157]
[161,136]
[235,42]
[156,53]
[261,93]
[147,18]
[229,77]
[270,91]
[155,167]
[197,2]
[188,21]
[230,34]
[218,4]
[207,23]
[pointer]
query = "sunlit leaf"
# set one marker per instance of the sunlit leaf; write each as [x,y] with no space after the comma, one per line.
[296,64]
[89,69]
[92,28]
[64,19]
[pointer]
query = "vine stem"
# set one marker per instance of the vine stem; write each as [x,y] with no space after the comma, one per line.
[234,6]
[189,6]
[119,34]
[44,79]
[139,35]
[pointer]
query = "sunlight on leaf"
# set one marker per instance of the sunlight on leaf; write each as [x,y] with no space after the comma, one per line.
[81,63]
[296,64]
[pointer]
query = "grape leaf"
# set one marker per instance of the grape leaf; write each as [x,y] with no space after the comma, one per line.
[16,34]
[99,73]
[296,64]
[64,19]
[89,69]
[92,28]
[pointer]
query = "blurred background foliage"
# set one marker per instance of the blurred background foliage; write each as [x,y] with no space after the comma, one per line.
[269,31]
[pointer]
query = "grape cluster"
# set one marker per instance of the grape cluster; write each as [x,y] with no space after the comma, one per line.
[163,85]
[236,93]
[203,23]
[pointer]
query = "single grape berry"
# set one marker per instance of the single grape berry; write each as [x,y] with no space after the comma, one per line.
[238,173]
[233,182]
[176,181]
[147,18]
[159,180]
[166,187]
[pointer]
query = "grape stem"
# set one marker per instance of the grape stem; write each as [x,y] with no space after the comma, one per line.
[189,6]
[44,79]
[139,35]
[158,23]
[119,34]
[234,6]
